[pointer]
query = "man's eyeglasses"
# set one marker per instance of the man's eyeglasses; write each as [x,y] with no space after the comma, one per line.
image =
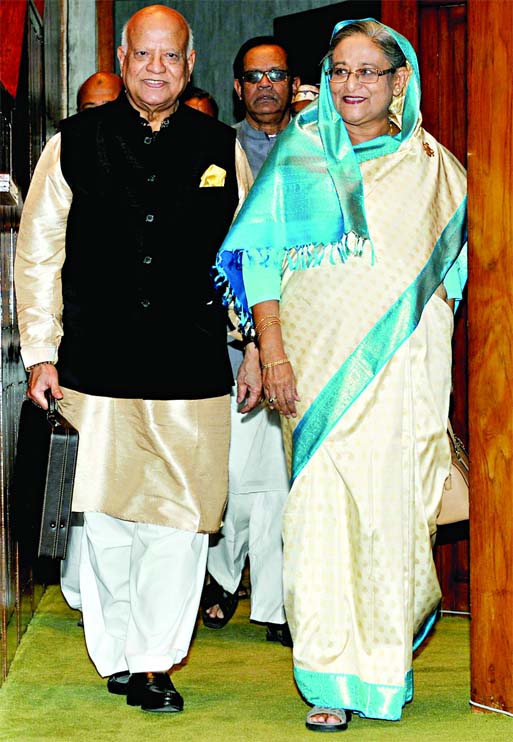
[254,76]
[366,75]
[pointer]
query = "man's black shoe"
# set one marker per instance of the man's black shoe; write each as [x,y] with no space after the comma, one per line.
[118,683]
[279,632]
[153,691]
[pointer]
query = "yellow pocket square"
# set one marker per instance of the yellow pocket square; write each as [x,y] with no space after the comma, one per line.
[213,176]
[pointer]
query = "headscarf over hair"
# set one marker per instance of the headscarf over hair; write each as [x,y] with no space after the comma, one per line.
[308,199]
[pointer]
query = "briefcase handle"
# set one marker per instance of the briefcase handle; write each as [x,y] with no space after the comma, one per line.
[52,408]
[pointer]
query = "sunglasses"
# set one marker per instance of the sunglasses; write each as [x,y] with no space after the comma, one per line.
[254,76]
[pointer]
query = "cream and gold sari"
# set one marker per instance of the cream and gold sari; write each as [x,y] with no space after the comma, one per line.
[371,457]
[368,332]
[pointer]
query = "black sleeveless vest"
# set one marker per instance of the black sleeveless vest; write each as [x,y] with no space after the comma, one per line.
[141,316]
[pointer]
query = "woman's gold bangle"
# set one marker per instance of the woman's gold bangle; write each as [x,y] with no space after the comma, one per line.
[275,363]
[269,324]
[264,319]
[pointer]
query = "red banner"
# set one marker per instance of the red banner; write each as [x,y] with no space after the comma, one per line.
[13,15]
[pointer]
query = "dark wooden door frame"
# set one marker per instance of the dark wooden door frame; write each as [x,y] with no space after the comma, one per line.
[106,44]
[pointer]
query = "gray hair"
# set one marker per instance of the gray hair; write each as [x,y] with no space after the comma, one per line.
[190,43]
[377,34]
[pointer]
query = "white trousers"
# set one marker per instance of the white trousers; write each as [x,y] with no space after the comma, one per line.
[70,569]
[258,489]
[140,586]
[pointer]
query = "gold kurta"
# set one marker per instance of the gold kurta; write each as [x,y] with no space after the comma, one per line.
[152,461]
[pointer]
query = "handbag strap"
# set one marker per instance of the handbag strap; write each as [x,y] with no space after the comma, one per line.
[458,447]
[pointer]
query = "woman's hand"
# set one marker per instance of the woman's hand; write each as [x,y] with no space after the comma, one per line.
[278,375]
[280,389]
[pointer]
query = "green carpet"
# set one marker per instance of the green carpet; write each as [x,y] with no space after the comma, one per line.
[237,688]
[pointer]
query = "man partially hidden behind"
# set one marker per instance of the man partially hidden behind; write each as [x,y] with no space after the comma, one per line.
[140,370]
[201,100]
[258,479]
[99,88]
[304,96]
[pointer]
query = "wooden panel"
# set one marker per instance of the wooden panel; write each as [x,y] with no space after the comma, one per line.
[491,350]
[402,16]
[106,44]
[442,61]
[442,58]
[429,64]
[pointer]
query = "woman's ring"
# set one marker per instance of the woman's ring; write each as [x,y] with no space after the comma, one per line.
[271,400]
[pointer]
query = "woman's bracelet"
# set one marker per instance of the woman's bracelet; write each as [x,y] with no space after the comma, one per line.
[269,324]
[41,363]
[267,317]
[275,363]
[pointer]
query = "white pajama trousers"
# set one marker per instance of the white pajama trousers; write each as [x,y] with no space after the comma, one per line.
[70,569]
[258,489]
[140,586]
[252,525]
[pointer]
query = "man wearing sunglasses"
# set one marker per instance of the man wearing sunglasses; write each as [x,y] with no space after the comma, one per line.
[265,84]
[258,478]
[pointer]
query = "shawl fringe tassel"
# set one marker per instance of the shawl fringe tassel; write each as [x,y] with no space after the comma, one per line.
[303,257]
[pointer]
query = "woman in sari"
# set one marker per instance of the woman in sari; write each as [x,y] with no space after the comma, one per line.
[346,260]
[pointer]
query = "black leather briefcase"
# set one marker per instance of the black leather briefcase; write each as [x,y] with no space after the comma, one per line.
[44,473]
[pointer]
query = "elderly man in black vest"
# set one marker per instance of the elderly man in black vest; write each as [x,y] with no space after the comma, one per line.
[119,319]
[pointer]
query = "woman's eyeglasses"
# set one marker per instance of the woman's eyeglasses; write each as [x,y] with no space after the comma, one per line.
[254,76]
[366,75]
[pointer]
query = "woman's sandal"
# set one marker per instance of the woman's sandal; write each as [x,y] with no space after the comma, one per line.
[323,726]
[215,594]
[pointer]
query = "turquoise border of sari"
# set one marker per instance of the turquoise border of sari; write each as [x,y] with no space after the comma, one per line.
[380,344]
[369,700]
